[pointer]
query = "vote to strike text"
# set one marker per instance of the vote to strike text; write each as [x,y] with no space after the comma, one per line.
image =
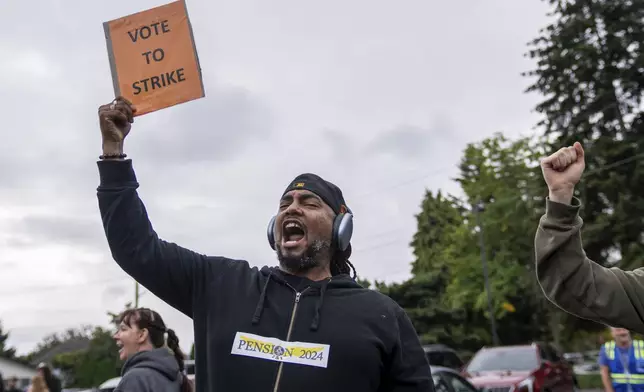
[156,55]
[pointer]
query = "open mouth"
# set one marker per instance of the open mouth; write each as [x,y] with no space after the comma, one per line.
[294,232]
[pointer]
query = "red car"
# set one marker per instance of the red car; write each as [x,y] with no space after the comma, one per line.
[535,367]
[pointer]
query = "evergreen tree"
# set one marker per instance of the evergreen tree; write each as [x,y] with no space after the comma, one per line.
[435,321]
[5,350]
[439,217]
[505,176]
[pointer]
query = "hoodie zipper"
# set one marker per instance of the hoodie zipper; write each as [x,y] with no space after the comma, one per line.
[298,294]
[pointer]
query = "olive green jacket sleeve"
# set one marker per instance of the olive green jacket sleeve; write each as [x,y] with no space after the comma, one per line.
[577,284]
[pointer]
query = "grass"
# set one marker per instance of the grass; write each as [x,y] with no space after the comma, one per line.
[589,381]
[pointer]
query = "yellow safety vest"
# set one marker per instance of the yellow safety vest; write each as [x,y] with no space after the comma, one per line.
[627,376]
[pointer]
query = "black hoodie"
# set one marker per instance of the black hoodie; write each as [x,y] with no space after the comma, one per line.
[261,329]
[150,371]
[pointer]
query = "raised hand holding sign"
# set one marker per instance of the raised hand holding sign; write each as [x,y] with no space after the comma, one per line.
[115,120]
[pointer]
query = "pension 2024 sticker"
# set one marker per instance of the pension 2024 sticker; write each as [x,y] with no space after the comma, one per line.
[272,349]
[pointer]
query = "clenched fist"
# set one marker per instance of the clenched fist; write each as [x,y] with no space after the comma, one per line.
[115,120]
[562,171]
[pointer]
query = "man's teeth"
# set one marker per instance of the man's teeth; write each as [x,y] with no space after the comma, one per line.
[290,225]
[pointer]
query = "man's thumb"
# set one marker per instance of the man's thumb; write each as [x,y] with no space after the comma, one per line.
[579,149]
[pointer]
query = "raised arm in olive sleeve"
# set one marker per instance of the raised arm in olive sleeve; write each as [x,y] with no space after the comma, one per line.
[577,284]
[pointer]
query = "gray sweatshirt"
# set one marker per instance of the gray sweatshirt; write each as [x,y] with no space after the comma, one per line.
[577,284]
[150,371]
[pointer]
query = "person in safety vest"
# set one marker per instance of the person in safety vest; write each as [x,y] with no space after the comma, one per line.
[621,363]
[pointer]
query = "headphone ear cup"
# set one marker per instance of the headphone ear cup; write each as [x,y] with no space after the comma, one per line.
[342,231]
[270,233]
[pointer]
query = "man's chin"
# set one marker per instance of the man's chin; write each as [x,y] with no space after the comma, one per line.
[298,265]
[295,261]
[303,257]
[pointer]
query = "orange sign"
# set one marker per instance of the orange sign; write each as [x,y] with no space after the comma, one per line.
[153,58]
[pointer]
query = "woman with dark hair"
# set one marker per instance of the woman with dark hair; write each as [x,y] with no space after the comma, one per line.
[153,359]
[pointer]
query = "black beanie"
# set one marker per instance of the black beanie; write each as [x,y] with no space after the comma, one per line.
[328,192]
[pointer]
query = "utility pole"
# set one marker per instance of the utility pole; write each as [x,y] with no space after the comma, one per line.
[478,208]
[136,294]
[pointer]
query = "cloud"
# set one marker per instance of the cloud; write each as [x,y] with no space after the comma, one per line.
[341,146]
[113,291]
[404,142]
[168,140]
[411,142]
[37,230]
[209,130]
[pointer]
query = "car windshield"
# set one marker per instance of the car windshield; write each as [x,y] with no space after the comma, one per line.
[506,358]
[446,359]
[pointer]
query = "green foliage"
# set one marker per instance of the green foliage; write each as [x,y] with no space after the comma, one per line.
[192,351]
[89,368]
[434,320]
[439,219]
[446,298]
[590,381]
[364,283]
[51,341]
[5,350]
[504,176]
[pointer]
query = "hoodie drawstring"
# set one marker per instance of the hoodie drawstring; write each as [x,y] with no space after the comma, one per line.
[315,324]
[260,304]
[316,320]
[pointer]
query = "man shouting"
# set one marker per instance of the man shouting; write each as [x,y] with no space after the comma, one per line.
[568,278]
[303,326]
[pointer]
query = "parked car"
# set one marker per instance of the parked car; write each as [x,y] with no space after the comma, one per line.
[536,367]
[190,369]
[109,385]
[574,358]
[441,355]
[450,380]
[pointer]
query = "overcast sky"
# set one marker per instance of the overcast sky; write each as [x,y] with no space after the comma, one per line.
[377,96]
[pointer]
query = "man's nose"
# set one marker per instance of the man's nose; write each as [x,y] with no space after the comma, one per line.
[293,208]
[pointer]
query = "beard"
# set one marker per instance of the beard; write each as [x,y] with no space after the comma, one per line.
[316,255]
